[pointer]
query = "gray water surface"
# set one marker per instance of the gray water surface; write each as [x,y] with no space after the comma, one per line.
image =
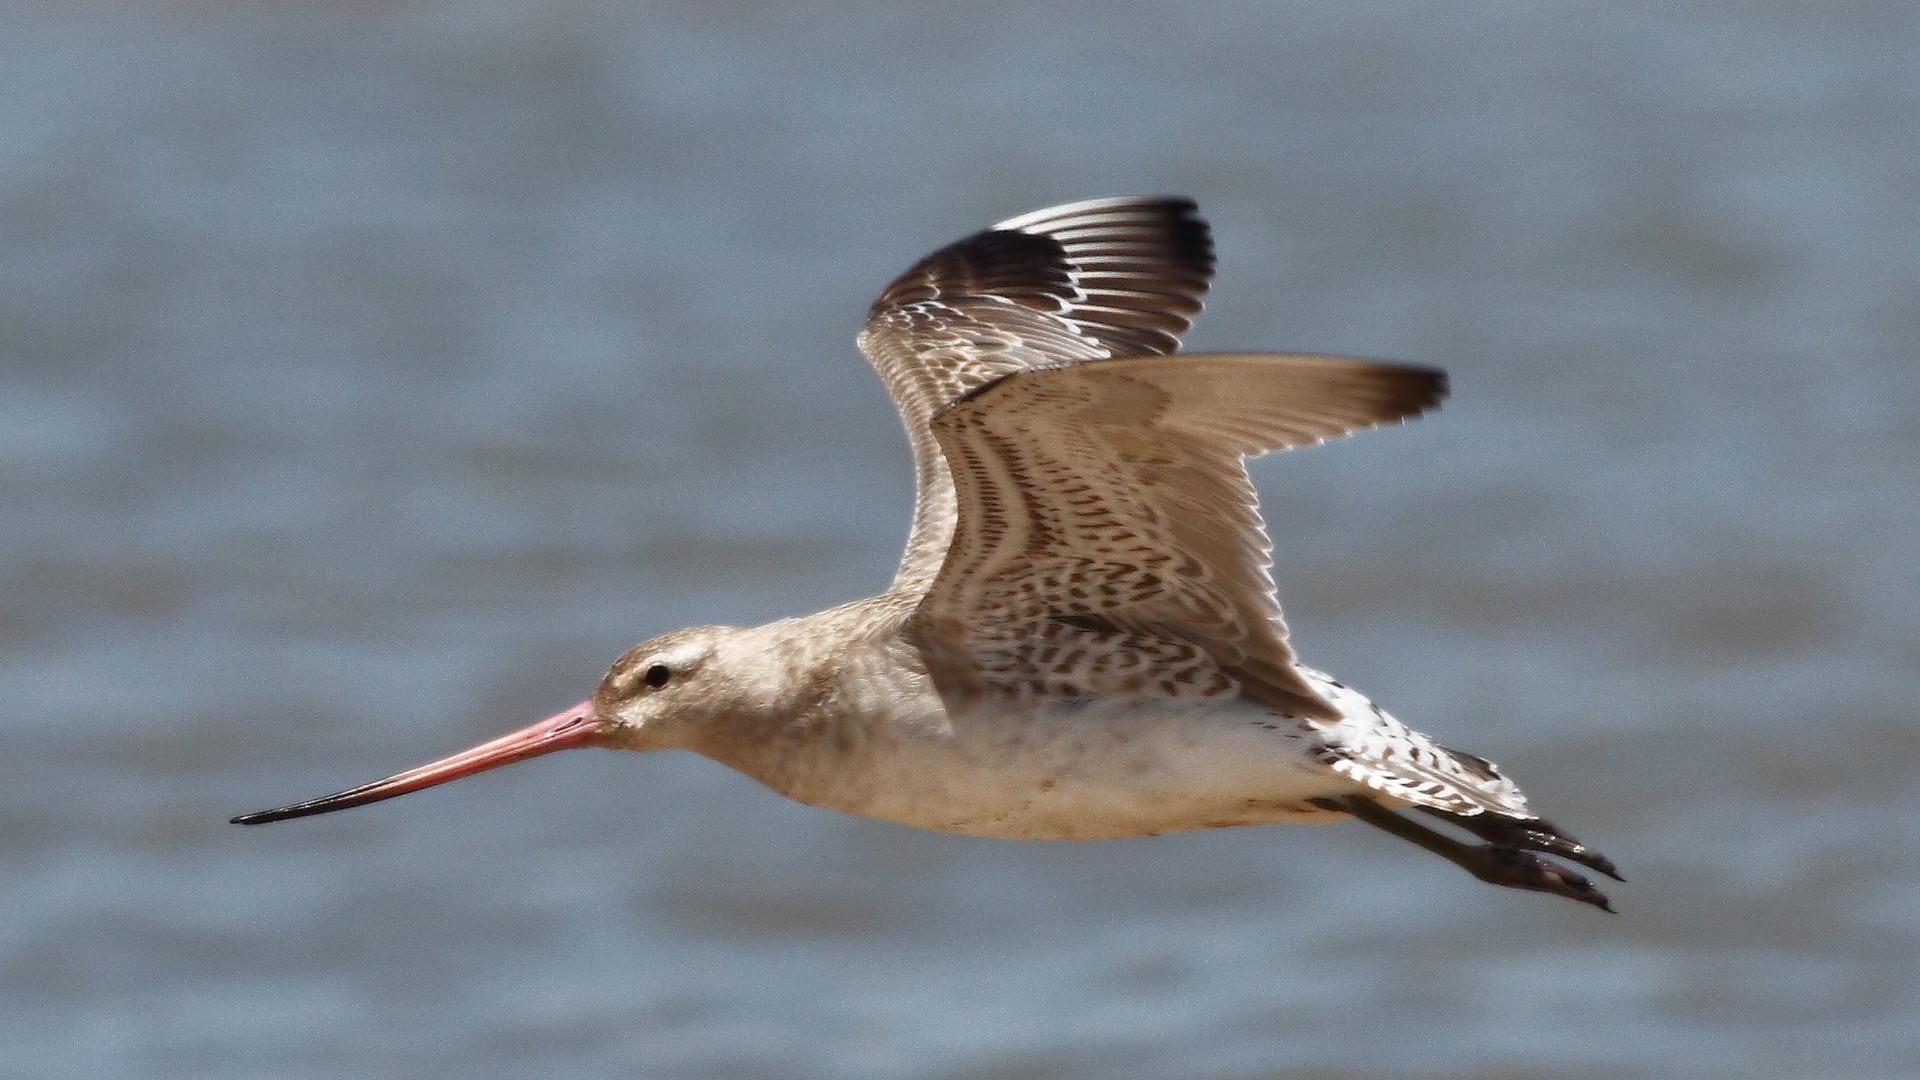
[372,374]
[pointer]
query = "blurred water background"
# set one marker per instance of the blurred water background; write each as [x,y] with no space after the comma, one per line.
[371,374]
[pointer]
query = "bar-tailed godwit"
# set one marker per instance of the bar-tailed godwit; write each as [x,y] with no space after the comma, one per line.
[1083,639]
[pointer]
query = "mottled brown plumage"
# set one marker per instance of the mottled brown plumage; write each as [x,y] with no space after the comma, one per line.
[1091,280]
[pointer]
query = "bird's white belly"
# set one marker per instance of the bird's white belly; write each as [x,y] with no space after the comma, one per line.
[1087,771]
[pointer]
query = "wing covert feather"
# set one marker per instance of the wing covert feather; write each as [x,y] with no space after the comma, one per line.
[1105,505]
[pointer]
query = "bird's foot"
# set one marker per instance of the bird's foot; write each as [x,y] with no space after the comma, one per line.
[1498,864]
[1528,834]
[1555,843]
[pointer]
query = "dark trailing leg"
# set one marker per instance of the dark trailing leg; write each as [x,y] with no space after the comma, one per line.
[1496,864]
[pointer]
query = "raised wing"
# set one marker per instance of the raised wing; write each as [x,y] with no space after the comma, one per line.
[1085,281]
[1109,542]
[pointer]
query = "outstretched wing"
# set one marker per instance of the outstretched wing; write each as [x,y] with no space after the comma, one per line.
[1085,281]
[1109,542]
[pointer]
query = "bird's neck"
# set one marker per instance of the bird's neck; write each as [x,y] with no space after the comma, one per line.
[809,703]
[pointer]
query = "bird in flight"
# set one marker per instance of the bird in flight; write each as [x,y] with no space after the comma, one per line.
[1083,638]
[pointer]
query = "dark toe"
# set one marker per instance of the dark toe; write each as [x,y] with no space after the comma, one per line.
[1572,851]
[1518,869]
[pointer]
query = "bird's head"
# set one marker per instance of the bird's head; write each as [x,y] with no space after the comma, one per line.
[662,692]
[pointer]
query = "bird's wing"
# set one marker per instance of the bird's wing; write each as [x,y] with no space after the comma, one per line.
[1085,281]
[1109,543]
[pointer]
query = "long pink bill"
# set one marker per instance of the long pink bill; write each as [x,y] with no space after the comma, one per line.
[576,727]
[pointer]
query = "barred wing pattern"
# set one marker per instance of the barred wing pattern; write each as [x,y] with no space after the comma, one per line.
[1109,543]
[1085,281]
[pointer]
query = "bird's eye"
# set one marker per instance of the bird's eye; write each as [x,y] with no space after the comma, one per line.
[657,676]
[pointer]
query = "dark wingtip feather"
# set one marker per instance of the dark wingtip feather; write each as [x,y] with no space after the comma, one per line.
[1127,273]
